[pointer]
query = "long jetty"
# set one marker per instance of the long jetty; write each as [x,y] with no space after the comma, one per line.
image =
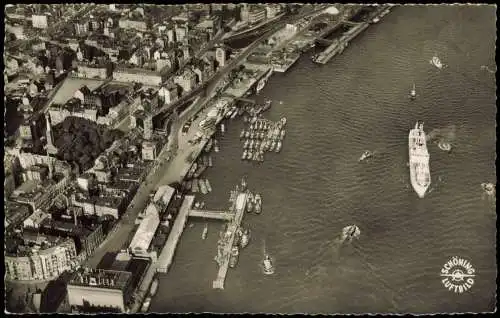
[239,209]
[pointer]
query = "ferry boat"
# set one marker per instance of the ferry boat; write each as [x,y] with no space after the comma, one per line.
[245,238]
[263,80]
[419,160]
[367,154]
[413,92]
[444,146]
[268,266]
[436,62]
[350,232]
[233,258]
[154,287]
[205,232]
[258,203]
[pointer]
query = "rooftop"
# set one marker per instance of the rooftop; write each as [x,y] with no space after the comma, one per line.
[100,278]
[69,87]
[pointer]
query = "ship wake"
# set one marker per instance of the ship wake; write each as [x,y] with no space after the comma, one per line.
[447,135]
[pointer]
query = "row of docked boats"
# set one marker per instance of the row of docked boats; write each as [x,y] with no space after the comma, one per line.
[262,136]
[254,203]
[241,241]
[231,113]
[198,186]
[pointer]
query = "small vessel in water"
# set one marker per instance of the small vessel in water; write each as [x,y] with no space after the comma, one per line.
[258,203]
[489,188]
[216,145]
[222,128]
[413,92]
[444,146]
[205,232]
[268,266]
[244,155]
[273,146]
[245,238]
[197,205]
[242,134]
[367,154]
[233,258]
[436,62]
[202,186]
[250,203]
[283,121]
[246,144]
[350,232]
[154,287]
[278,146]
[207,184]
[267,105]
[283,134]
[243,184]
[247,134]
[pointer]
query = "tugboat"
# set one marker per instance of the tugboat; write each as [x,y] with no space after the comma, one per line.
[205,232]
[489,188]
[367,154]
[436,62]
[413,92]
[245,238]
[258,203]
[233,258]
[350,232]
[444,146]
[268,265]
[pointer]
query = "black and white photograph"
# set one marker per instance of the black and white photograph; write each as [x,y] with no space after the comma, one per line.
[250,158]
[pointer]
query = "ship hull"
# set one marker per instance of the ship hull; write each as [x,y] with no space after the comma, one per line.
[419,161]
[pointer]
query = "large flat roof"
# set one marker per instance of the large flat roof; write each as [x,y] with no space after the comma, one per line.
[69,87]
[101,278]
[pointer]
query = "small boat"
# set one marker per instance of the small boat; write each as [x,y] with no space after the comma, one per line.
[268,267]
[205,232]
[222,128]
[262,135]
[278,146]
[243,184]
[247,134]
[154,287]
[195,188]
[203,186]
[233,258]
[283,134]
[197,205]
[207,184]
[244,156]
[367,154]
[283,121]
[489,188]
[146,304]
[245,238]
[216,146]
[375,20]
[258,204]
[413,92]
[202,204]
[444,146]
[234,114]
[210,163]
[436,62]
[350,232]
[267,105]
[242,134]
[249,205]
[273,146]
[246,144]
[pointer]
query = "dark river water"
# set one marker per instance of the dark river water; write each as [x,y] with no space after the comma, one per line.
[316,186]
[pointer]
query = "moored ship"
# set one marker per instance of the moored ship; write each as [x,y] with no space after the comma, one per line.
[420,175]
[263,80]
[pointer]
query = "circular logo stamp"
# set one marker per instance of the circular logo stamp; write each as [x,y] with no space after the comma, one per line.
[458,275]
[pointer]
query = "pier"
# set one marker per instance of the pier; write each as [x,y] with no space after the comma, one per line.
[215,215]
[239,209]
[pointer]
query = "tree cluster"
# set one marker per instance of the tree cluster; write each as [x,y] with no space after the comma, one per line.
[81,141]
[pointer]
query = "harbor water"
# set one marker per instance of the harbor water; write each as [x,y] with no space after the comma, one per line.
[316,186]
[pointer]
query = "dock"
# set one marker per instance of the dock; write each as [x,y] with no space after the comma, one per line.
[167,254]
[338,45]
[215,215]
[239,209]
